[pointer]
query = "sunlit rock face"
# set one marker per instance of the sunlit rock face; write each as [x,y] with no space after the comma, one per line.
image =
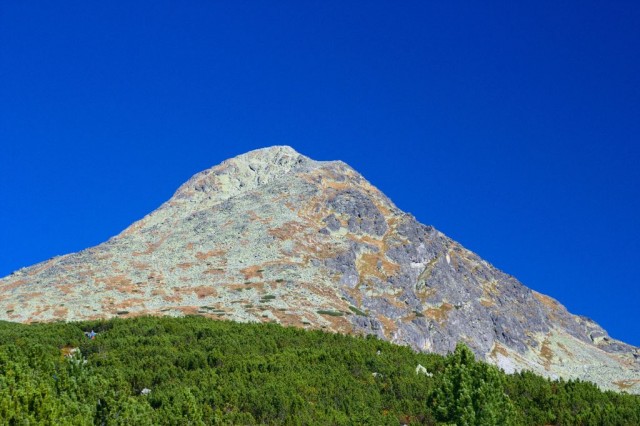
[272,235]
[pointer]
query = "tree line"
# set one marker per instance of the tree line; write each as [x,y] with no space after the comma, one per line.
[197,371]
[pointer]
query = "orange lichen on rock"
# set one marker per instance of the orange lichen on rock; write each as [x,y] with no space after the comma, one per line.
[339,324]
[626,384]
[289,231]
[286,318]
[60,312]
[439,314]
[547,301]
[141,266]
[487,303]
[305,238]
[151,247]
[377,265]
[213,271]
[176,297]
[315,249]
[211,253]
[389,327]
[16,284]
[43,266]
[128,303]
[204,291]
[565,349]
[546,353]
[254,271]
[498,349]
[187,310]
[133,228]
[119,283]
[490,289]
[552,305]
[253,216]
[366,239]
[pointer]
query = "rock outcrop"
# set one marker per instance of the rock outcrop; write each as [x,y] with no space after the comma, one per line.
[272,235]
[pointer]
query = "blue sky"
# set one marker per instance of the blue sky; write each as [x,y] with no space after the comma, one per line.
[512,127]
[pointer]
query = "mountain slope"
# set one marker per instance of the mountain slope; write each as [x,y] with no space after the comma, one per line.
[272,235]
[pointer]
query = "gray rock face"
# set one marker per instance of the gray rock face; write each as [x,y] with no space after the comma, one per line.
[272,235]
[363,216]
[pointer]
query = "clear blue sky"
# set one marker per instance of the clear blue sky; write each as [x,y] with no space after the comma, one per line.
[513,127]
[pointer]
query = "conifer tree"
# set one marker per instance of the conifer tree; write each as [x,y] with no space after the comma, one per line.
[471,393]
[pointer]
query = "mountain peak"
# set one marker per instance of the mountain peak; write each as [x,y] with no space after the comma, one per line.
[272,156]
[243,173]
[271,151]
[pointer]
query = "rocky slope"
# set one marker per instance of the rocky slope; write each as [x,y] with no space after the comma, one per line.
[272,235]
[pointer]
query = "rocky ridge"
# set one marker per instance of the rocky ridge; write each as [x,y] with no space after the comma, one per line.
[272,235]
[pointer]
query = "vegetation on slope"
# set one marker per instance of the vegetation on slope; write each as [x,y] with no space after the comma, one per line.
[193,370]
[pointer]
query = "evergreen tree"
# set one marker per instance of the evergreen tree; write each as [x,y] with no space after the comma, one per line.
[214,372]
[471,393]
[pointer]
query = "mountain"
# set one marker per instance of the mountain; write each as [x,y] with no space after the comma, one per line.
[273,236]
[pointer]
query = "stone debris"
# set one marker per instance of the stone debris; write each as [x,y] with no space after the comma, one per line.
[422,370]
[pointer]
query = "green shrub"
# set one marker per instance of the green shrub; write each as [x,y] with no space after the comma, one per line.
[201,371]
[331,313]
[357,311]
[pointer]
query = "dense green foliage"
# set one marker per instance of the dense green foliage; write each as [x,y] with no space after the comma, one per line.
[201,371]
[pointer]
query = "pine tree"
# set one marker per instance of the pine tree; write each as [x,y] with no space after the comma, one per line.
[472,393]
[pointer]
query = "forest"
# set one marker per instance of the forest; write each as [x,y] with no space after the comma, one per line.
[198,371]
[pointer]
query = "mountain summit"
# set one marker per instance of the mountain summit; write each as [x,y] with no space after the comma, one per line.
[272,235]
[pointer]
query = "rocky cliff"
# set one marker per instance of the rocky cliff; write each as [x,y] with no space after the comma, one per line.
[272,235]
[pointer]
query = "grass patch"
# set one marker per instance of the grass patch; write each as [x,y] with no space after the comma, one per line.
[357,311]
[331,313]
[212,309]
